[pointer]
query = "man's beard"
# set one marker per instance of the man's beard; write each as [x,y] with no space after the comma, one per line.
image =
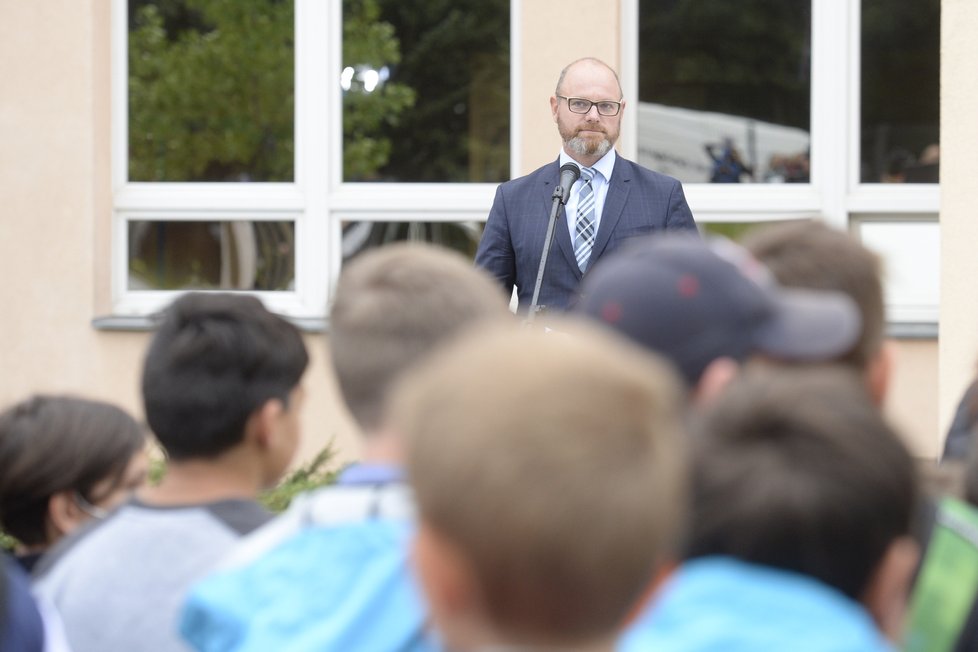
[584,147]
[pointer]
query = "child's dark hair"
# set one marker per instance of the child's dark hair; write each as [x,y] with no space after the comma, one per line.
[215,360]
[797,469]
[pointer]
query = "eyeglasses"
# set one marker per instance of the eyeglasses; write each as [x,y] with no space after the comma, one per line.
[581,105]
[94,511]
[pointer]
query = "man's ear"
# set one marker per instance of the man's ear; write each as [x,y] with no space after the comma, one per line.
[64,515]
[553,106]
[879,371]
[888,592]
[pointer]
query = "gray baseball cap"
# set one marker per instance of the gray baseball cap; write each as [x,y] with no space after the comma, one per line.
[693,301]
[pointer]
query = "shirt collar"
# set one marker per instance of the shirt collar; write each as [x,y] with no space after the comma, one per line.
[605,165]
[358,474]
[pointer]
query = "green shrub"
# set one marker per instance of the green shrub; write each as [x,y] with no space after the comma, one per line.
[318,472]
[7,542]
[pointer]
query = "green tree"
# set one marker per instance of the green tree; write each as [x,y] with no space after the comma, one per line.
[898,52]
[749,58]
[369,116]
[456,60]
[211,90]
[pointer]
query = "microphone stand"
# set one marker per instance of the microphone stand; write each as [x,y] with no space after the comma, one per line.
[558,200]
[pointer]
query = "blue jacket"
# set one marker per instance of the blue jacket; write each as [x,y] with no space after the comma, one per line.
[639,202]
[329,575]
[724,605]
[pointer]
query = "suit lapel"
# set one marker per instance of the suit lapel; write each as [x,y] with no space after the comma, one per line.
[561,231]
[614,204]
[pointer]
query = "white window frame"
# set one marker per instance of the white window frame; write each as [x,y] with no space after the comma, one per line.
[836,193]
[318,200]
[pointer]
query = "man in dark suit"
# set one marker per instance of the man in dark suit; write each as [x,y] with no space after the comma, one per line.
[614,200]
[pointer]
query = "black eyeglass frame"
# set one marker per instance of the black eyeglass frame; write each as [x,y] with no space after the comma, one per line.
[590,103]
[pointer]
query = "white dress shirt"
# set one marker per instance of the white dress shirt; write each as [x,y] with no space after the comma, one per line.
[599,185]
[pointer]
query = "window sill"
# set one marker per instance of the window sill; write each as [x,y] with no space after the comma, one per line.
[118,323]
[912,330]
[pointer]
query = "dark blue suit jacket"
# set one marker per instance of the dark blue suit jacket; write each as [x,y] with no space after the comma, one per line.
[639,201]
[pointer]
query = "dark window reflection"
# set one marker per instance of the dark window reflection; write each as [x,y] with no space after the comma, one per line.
[211,255]
[425,90]
[901,43]
[462,237]
[724,89]
[211,90]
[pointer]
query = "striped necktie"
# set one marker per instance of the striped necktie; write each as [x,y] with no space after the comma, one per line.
[585,227]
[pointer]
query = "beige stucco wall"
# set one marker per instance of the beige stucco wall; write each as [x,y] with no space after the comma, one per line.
[912,398]
[959,202]
[55,194]
[551,38]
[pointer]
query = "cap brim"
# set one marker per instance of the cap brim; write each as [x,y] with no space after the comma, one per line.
[809,325]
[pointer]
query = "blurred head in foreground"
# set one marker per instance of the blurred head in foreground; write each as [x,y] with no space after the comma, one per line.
[64,460]
[392,306]
[549,478]
[708,307]
[810,254]
[796,469]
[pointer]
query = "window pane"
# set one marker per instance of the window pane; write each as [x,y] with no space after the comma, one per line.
[425,90]
[462,237]
[911,253]
[211,255]
[211,89]
[901,75]
[724,89]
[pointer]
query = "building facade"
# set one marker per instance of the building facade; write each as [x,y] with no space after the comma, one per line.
[118,190]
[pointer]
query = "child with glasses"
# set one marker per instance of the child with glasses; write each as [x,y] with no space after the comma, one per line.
[63,461]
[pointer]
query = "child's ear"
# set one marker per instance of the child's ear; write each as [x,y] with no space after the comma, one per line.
[715,379]
[449,586]
[441,570]
[262,423]
[64,515]
[879,371]
[650,593]
[888,591]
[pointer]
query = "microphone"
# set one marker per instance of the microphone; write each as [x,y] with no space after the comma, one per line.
[569,173]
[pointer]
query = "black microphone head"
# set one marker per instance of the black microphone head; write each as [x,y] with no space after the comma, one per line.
[571,172]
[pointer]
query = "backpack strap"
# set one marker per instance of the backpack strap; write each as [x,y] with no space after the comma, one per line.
[945,591]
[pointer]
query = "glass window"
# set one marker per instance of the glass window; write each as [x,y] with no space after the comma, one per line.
[232,255]
[910,248]
[426,90]
[724,89]
[211,90]
[211,96]
[901,75]
[462,237]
